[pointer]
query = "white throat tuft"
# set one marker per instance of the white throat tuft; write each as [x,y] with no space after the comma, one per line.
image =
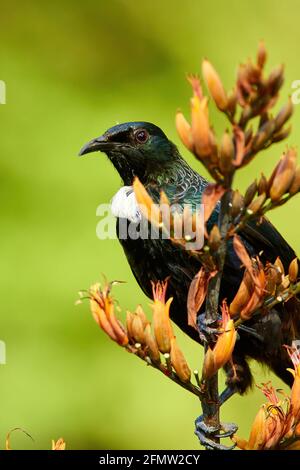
[124,205]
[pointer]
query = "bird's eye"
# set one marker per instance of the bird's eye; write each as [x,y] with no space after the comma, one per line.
[141,136]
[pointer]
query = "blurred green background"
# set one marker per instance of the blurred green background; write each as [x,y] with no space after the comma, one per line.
[72,70]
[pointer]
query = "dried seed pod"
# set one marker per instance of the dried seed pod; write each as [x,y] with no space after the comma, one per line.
[276,79]
[261,55]
[293,270]
[151,345]
[248,135]
[295,186]
[184,130]
[284,114]
[257,204]
[215,85]
[179,362]
[279,266]
[262,185]
[271,279]
[250,193]
[214,239]
[231,102]
[226,153]
[284,175]
[237,203]
[263,135]
[282,134]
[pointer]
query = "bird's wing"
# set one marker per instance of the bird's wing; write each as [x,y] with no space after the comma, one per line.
[264,236]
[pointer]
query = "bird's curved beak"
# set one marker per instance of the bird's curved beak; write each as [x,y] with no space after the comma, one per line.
[100,144]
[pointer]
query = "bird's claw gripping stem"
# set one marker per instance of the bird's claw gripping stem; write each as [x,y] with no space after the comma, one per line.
[208,329]
[206,434]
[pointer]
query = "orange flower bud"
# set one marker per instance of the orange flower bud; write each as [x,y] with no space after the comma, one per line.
[102,308]
[179,363]
[209,365]
[221,353]
[184,130]
[284,175]
[242,296]
[59,444]
[161,318]
[215,85]
[102,320]
[149,209]
[200,127]
[258,430]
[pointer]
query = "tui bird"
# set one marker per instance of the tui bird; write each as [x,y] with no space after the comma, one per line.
[142,149]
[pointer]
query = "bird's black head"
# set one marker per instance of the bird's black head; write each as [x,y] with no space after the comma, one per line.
[135,149]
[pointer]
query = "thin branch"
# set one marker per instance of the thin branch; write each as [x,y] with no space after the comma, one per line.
[210,397]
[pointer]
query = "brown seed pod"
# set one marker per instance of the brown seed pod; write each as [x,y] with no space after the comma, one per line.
[257,203]
[293,270]
[214,239]
[226,153]
[237,203]
[261,55]
[263,135]
[276,79]
[250,193]
[262,185]
[282,134]
[295,186]
[284,114]
[284,175]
